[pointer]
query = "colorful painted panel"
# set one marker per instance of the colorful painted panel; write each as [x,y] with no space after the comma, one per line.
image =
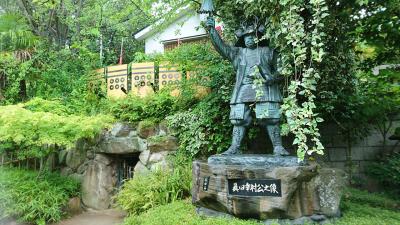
[168,75]
[143,80]
[117,81]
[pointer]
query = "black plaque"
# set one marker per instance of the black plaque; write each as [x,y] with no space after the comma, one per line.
[265,187]
[205,183]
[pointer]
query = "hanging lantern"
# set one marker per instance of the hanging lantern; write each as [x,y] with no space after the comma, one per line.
[207,7]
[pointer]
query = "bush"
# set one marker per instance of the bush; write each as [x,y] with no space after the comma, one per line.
[387,172]
[379,200]
[32,130]
[134,109]
[157,188]
[358,208]
[33,197]
[180,213]
[203,130]
[42,105]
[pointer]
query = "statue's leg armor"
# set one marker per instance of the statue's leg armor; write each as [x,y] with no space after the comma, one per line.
[274,133]
[239,131]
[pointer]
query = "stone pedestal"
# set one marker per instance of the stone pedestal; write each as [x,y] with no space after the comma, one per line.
[266,187]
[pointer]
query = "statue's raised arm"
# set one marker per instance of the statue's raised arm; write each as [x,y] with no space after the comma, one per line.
[228,52]
[257,86]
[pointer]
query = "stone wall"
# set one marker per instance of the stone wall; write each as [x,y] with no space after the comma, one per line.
[363,151]
[95,162]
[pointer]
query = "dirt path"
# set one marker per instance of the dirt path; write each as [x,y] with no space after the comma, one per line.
[106,217]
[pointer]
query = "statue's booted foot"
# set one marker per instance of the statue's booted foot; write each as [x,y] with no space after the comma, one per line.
[280,151]
[232,151]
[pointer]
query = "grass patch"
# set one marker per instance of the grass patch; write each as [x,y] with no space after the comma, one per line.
[161,187]
[358,208]
[32,197]
[179,213]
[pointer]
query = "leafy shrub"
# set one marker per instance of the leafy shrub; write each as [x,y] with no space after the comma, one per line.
[134,109]
[202,131]
[42,105]
[387,172]
[358,208]
[372,199]
[33,197]
[31,130]
[181,213]
[157,188]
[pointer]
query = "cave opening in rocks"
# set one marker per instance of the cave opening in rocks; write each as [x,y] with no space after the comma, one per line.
[125,165]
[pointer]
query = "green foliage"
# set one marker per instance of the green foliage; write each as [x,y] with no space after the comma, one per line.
[200,124]
[378,200]
[15,33]
[179,213]
[32,130]
[48,74]
[146,191]
[358,208]
[60,73]
[387,172]
[32,197]
[42,105]
[202,131]
[153,107]
[296,28]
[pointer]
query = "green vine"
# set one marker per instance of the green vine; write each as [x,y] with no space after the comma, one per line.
[301,117]
[295,28]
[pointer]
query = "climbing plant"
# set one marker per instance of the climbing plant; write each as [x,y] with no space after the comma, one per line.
[302,39]
[295,28]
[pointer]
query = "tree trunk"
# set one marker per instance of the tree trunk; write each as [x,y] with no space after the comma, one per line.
[349,160]
[22,89]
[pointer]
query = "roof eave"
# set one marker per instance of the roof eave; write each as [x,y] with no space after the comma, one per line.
[149,30]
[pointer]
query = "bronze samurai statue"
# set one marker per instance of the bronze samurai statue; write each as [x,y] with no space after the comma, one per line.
[257,84]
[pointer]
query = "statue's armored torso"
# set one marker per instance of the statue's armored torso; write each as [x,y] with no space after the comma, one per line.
[252,65]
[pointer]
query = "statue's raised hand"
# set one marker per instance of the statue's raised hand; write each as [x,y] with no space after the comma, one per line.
[210,23]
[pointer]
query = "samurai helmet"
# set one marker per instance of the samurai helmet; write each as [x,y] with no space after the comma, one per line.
[250,28]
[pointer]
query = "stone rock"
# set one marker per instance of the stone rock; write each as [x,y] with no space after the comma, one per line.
[305,220]
[102,158]
[82,168]
[66,171]
[162,165]
[119,145]
[144,157]
[201,211]
[133,133]
[51,161]
[80,144]
[77,177]
[75,158]
[318,218]
[91,153]
[146,129]
[163,128]
[329,184]
[304,190]
[121,130]
[141,169]
[98,185]
[62,156]
[74,206]
[162,143]
[142,144]
[158,156]
[252,160]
